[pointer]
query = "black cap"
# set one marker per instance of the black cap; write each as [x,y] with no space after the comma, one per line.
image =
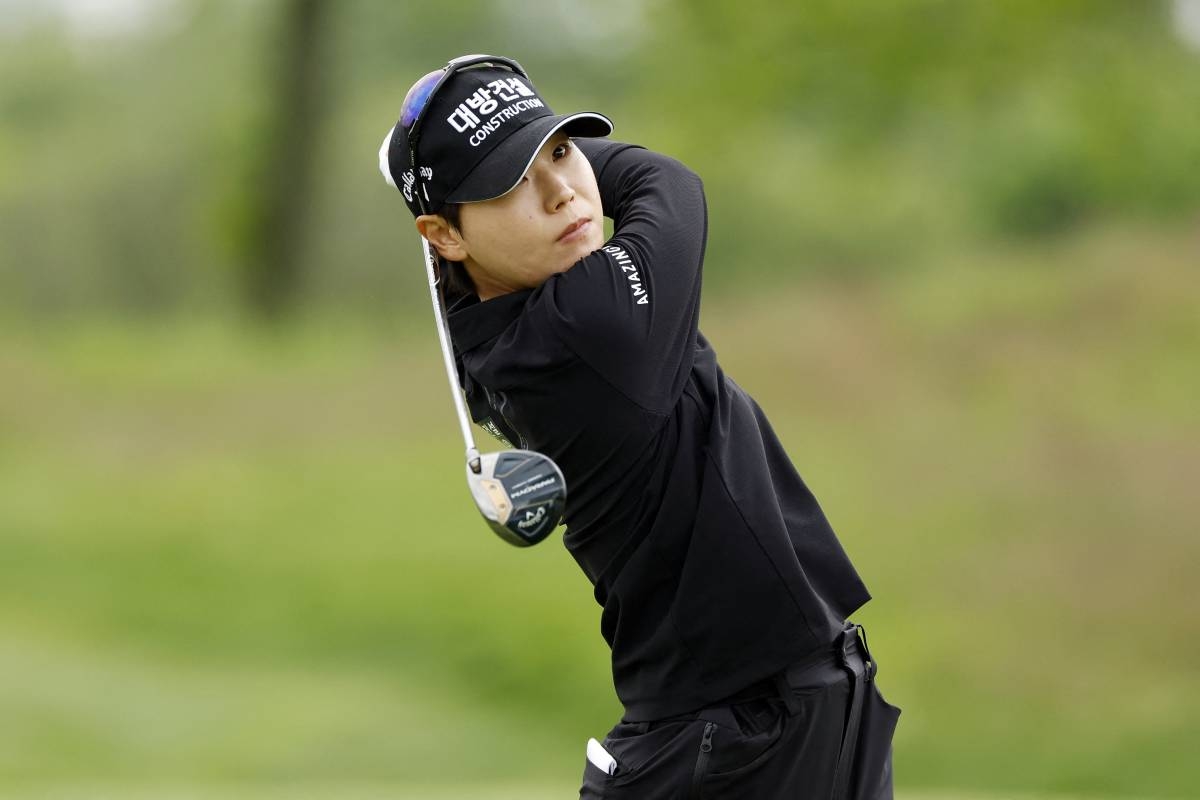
[482,130]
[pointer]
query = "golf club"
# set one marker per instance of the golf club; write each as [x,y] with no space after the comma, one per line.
[521,494]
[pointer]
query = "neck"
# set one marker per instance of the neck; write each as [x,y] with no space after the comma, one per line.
[486,287]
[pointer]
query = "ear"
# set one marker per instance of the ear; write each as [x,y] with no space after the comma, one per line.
[446,240]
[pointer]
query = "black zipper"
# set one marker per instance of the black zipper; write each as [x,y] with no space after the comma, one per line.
[702,760]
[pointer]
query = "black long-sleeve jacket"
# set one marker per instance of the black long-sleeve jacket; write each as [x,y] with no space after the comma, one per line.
[713,563]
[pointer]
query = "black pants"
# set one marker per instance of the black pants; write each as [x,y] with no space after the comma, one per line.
[820,730]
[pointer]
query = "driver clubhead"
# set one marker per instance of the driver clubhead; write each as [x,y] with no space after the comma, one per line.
[521,494]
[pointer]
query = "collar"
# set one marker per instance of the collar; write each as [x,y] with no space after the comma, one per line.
[472,322]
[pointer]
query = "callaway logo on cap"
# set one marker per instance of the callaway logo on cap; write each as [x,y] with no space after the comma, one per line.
[468,132]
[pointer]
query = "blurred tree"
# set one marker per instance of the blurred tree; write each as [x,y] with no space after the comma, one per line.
[281,193]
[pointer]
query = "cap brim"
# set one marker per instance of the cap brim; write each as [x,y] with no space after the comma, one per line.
[502,169]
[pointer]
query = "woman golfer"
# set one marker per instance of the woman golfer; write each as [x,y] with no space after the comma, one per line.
[725,592]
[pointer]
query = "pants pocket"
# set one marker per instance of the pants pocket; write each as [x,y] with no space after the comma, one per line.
[757,731]
[654,762]
[873,757]
[594,782]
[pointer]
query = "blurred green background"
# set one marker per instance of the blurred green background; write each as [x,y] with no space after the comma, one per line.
[954,253]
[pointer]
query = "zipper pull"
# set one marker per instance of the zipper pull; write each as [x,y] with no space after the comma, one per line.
[702,760]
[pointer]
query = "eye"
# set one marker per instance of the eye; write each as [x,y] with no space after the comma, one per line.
[562,150]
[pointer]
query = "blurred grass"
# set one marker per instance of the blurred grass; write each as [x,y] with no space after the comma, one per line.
[237,559]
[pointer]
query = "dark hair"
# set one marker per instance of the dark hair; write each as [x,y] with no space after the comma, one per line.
[456,281]
[452,213]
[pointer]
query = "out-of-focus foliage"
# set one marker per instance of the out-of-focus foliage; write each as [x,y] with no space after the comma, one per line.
[830,135]
[952,253]
[889,126]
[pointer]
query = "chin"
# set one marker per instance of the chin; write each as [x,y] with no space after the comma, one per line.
[585,248]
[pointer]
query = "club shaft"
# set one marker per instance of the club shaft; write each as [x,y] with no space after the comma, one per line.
[439,315]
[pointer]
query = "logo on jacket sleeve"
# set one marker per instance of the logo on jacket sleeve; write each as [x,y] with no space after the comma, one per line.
[631,273]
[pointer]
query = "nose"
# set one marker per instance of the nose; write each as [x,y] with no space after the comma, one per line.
[559,192]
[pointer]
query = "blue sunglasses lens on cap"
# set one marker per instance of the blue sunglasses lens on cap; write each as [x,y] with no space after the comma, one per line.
[417,97]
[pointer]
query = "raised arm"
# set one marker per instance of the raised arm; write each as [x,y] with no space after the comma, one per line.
[631,309]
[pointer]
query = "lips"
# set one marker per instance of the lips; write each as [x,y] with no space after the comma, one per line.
[573,229]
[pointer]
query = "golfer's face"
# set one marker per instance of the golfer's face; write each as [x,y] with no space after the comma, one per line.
[548,222]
